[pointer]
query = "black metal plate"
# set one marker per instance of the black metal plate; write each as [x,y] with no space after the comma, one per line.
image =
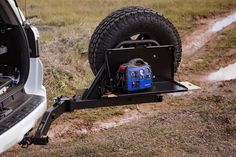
[160,58]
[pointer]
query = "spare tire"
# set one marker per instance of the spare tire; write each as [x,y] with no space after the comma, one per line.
[132,23]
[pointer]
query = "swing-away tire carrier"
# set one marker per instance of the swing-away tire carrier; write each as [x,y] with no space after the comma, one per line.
[69,105]
[160,58]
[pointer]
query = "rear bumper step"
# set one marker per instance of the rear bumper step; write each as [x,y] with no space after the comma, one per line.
[19,107]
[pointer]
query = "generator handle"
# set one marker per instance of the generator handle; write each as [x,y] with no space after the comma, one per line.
[137,62]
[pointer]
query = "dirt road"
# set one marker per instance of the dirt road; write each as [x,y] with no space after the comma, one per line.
[202,123]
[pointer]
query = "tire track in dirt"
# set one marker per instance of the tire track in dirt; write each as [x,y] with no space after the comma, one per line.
[207,31]
[192,43]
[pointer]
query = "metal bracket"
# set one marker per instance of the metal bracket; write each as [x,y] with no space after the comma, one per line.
[94,97]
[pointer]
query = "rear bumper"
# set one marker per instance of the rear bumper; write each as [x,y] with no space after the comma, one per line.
[17,132]
[33,86]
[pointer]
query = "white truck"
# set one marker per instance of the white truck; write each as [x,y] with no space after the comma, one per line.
[23,96]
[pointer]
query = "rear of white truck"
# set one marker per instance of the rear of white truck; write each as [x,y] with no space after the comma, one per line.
[22,94]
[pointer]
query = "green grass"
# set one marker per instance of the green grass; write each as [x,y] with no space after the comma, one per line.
[226,42]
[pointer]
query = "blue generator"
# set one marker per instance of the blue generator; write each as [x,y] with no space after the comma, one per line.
[134,76]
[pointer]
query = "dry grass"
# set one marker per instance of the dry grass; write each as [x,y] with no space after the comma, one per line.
[205,127]
[69,12]
[218,53]
[66,27]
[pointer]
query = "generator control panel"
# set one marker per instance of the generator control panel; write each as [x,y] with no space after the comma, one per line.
[134,76]
[139,78]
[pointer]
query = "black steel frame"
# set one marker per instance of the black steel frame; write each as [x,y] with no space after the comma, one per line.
[160,59]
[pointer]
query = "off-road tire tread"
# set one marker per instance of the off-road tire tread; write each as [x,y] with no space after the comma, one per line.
[118,20]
